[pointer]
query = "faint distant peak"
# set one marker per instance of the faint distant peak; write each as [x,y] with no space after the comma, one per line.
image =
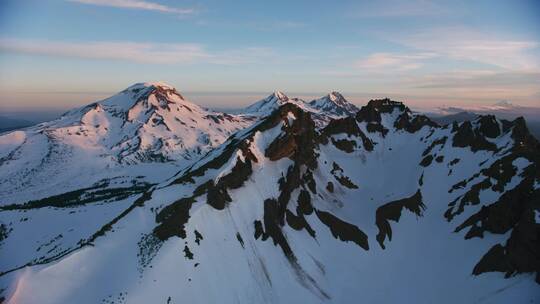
[504,104]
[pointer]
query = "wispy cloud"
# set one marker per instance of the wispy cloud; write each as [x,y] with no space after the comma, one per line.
[466,44]
[139,52]
[158,53]
[393,61]
[138,4]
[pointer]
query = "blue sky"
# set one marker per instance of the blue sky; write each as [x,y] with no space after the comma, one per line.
[61,54]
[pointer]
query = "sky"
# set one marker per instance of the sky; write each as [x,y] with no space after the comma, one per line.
[60,54]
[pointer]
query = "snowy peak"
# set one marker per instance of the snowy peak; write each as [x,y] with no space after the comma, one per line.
[144,97]
[146,88]
[279,96]
[337,98]
[153,120]
[158,88]
[267,105]
[334,104]
[143,104]
[331,106]
[156,84]
[502,105]
[151,93]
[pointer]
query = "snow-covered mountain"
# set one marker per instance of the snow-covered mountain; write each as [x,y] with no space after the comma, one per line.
[334,104]
[382,207]
[266,106]
[331,106]
[503,104]
[120,136]
[504,109]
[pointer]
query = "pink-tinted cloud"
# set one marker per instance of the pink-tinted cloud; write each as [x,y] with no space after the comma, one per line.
[467,44]
[393,61]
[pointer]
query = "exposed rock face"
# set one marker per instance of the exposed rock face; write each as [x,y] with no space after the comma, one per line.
[350,127]
[298,221]
[413,124]
[392,211]
[344,231]
[515,209]
[465,136]
[371,113]
[339,175]
[426,161]
[344,125]
[298,141]
[488,126]
[386,105]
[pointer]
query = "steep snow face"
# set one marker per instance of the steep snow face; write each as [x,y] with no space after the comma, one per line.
[334,104]
[146,123]
[283,212]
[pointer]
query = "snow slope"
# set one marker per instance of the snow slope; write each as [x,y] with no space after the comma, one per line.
[383,207]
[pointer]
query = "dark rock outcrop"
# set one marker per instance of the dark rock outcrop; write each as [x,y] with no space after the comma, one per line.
[404,122]
[347,126]
[342,230]
[466,136]
[392,211]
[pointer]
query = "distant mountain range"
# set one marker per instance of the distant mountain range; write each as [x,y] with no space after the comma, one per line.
[145,197]
[503,109]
